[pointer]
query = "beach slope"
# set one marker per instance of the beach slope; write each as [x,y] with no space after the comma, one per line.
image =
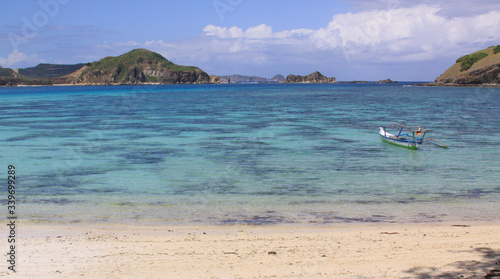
[343,251]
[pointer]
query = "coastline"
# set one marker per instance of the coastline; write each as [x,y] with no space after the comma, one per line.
[382,250]
[434,84]
[427,84]
[95,84]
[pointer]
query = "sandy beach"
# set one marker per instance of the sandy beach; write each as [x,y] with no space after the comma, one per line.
[456,250]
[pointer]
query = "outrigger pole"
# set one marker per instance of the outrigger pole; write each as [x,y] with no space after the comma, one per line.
[437,143]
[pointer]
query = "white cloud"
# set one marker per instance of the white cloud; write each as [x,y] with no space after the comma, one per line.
[262,31]
[16,58]
[259,32]
[223,32]
[455,8]
[158,43]
[392,35]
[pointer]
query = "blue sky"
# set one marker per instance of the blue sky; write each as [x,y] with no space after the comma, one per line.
[348,39]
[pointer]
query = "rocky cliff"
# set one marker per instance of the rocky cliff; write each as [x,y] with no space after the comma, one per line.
[315,77]
[215,79]
[478,68]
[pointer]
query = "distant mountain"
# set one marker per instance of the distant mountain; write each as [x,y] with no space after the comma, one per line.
[277,78]
[49,70]
[242,79]
[315,77]
[478,68]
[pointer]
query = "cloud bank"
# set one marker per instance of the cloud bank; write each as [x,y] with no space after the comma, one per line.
[396,36]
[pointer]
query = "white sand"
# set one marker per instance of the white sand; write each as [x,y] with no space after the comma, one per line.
[342,251]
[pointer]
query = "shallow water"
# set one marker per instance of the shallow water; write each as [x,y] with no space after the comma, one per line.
[257,154]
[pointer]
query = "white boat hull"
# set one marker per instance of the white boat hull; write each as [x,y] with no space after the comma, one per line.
[399,141]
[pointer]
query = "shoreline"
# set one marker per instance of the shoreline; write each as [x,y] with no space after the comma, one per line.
[433,84]
[470,249]
[265,213]
[206,83]
[402,83]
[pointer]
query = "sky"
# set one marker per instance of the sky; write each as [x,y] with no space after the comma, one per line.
[405,40]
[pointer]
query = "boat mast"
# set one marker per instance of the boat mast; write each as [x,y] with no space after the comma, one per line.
[401,130]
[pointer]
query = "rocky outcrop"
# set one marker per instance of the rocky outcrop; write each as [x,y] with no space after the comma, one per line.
[489,74]
[481,68]
[215,79]
[315,77]
[386,81]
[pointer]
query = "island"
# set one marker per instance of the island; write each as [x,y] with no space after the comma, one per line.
[480,68]
[139,66]
[315,77]
[250,79]
[242,79]
[386,81]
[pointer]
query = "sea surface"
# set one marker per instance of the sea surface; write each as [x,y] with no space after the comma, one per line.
[285,154]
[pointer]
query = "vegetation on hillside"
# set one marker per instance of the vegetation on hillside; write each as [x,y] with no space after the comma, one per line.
[481,67]
[138,57]
[496,49]
[5,72]
[468,60]
[138,65]
[49,70]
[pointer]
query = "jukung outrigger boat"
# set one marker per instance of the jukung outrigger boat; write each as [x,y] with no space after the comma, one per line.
[406,140]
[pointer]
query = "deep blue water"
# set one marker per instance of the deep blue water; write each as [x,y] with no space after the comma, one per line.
[259,154]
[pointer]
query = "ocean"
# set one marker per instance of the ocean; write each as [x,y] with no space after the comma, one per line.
[259,154]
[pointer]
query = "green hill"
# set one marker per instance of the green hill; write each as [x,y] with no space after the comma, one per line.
[49,70]
[8,77]
[139,66]
[478,68]
[7,73]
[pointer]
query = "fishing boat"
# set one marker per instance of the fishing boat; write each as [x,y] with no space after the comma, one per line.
[406,140]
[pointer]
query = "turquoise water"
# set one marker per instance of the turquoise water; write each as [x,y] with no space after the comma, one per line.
[250,154]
